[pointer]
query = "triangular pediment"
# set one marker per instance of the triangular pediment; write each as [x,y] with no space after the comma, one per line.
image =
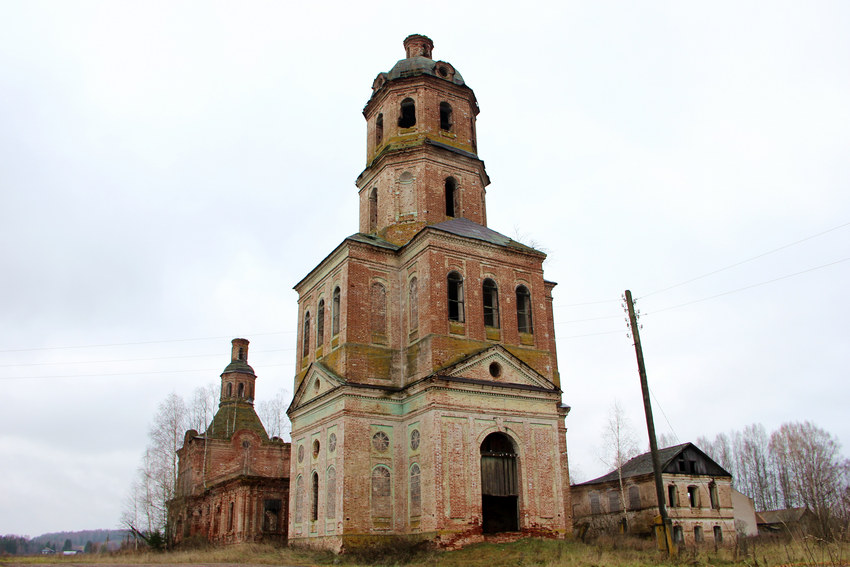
[318,381]
[496,364]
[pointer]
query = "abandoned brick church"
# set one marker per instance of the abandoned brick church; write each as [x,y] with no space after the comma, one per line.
[427,397]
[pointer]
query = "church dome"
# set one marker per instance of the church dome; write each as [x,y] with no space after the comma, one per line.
[418,62]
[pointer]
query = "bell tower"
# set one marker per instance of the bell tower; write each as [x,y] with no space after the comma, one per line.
[422,166]
[427,397]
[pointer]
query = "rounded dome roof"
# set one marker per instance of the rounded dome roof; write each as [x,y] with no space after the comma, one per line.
[419,65]
[239,366]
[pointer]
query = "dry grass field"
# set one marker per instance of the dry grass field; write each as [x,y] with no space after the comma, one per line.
[526,552]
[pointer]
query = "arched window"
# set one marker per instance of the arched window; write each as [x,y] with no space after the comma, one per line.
[451,197]
[413,299]
[320,324]
[230,518]
[491,303]
[379,130]
[415,491]
[299,499]
[455,297]
[229,389]
[382,504]
[305,349]
[330,499]
[373,210]
[314,497]
[523,310]
[379,309]
[335,313]
[445,116]
[241,390]
[407,117]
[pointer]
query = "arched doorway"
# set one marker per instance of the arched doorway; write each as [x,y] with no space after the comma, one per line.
[499,485]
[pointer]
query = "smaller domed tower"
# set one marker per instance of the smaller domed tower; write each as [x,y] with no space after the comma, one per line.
[237,380]
[236,403]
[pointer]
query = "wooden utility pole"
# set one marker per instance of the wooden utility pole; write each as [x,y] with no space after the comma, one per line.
[650,427]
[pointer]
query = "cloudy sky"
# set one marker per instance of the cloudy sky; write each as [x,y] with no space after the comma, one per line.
[169,170]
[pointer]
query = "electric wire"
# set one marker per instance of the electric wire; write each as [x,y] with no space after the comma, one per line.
[111,374]
[756,257]
[759,284]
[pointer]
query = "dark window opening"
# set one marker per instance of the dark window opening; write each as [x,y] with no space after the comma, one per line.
[499,485]
[407,119]
[672,496]
[320,324]
[241,390]
[693,496]
[495,369]
[241,353]
[491,303]
[718,534]
[373,210]
[230,518]
[379,130]
[306,336]
[678,535]
[229,389]
[271,515]
[445,116]
[698,537]
[523,310]
[335,313]
[451,197]
[455,297]
[712,494]
[314,508]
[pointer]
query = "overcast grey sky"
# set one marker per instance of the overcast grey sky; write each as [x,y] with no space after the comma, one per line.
[169,170]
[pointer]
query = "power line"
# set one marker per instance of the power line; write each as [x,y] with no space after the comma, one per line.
[57,376]
[117,360]
[143,342]
[762,255]
[750,286]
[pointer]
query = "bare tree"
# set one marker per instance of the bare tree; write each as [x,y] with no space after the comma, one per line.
[810,460]
[620,445]
[273,414]
[204,403]
[667,440]
[145,512]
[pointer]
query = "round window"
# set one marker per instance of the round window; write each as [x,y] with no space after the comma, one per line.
[414,439]
[495,369]
[332,442]
[380,441]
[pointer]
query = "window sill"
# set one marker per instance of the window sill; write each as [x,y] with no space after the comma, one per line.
[526,339]
[493,333]
[457,328]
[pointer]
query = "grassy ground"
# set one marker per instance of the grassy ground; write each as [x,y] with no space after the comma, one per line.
[526,552]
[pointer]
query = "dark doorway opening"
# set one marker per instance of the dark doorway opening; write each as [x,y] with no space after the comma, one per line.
[499,485]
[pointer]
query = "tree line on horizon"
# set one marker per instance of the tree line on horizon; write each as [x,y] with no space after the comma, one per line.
[90,541]
[799,465]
